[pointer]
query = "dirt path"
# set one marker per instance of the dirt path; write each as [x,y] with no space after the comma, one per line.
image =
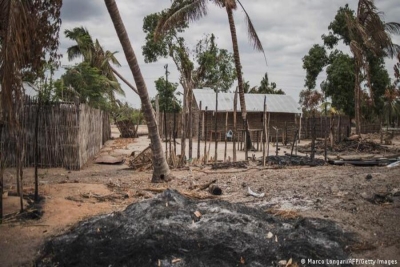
[339,193]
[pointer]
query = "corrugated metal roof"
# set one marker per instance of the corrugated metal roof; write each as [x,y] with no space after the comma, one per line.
[254,102]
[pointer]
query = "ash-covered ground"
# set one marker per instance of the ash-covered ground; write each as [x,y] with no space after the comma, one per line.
[172,230]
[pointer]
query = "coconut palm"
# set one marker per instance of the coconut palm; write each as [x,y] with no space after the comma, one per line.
[161,169]
[193,10]
[368,35]
[93,52]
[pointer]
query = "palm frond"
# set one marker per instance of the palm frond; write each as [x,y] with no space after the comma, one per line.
[4,17]
[392,27]
[186,12]
[110,56]
[73,52]
[253,36]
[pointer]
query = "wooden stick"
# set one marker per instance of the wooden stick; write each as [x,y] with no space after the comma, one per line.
[264,137]
[205,137]
[234,137]
[216,127]
[226,131]
[268,135]
[190,122]
[205,185]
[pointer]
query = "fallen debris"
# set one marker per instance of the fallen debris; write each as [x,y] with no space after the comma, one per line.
[150,233]
[116,196]
[394,164]
[364,162]
[227,165]
[109,160]
[205,185]
[143,161]
[188,194]
[355,137]
[254,194]
[362,146]
[381,198]
[288,160]
[287,214]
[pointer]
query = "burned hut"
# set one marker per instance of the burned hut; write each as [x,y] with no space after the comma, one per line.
[282,113]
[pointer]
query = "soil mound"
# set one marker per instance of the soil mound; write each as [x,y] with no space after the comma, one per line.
[172,230]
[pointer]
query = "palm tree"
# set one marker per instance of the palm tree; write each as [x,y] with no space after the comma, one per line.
[196,9]
[93,52]
[161,169]
[368,35]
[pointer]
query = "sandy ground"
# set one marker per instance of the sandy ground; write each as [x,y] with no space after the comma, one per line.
[338,193]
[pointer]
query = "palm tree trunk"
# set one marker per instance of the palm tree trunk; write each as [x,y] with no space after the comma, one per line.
[124,80]
[357,99]
[161,169]
[238,66]
[371,90]
[1,174]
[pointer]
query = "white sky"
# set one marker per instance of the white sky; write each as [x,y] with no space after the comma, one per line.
[286,28]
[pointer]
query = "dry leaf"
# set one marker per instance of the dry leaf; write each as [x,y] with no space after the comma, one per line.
[176,260]
[289,262]
[242,260]
[276,238]
[197,213]
[270,235]
[159,263]
[282,263]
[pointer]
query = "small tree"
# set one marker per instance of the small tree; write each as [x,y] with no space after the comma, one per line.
[166,93]
[310,100]
[266,87]
[211,66]
[86,83]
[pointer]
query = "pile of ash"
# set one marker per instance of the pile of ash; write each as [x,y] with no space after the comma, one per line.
[363,146]
[294,161]
[172,230]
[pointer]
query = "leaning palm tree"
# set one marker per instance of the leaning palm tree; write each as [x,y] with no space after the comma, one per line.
[161,170]
[192,10]
[368,35]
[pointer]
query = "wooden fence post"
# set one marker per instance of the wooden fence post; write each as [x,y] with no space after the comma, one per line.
[268,135]
[205,137]
[215,127]
[264,136]
[199,132]
[225,135]
[234,137]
